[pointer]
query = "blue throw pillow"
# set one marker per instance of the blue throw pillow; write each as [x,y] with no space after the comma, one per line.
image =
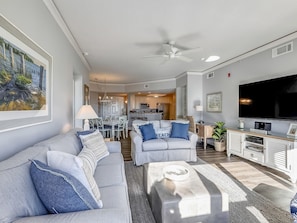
[59,191]
[179,130]
[293,207]
[86,132]
[148,132]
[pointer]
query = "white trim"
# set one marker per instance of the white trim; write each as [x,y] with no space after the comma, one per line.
[257,50]
[59,19]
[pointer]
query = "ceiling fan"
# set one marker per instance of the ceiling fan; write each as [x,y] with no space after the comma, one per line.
[171,51]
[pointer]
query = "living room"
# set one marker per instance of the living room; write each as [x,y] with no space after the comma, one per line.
[70,72]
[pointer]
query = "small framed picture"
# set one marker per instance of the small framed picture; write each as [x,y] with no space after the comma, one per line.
[292,130]
[214,102]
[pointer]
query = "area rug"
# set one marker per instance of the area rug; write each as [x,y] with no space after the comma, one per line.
[245,205]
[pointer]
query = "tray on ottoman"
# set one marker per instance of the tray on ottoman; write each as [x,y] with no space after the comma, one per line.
[177,193]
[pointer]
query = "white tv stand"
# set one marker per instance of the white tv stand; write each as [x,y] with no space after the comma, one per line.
[274,150]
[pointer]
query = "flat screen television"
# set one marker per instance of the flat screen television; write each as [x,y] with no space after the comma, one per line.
[272,99]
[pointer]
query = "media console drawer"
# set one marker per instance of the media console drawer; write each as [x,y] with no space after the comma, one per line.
[253,155]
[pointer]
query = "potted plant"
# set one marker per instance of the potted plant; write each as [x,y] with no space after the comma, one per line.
[218,135]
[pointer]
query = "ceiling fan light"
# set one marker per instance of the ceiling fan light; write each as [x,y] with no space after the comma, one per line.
[212,58]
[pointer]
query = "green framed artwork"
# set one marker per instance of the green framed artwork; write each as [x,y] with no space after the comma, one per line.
[25,80]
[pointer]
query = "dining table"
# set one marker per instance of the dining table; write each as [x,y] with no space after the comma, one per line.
[112,124]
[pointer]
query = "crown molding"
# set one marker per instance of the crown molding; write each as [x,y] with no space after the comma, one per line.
[267,46]
[59,19]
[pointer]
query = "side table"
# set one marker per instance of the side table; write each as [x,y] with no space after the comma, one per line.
[204,131]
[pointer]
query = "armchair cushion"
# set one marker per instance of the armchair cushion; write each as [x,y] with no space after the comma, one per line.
[148,132]
[154,144]
[178,143]
[136,124]
[179,130]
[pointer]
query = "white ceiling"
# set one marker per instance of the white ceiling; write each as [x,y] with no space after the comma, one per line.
[118,34]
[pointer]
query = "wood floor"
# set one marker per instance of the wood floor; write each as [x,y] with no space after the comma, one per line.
[270,183]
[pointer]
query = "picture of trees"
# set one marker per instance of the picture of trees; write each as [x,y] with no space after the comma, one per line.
[22,79]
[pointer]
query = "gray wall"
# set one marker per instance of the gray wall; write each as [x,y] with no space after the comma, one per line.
[254,68]
[194,93]
[33,19]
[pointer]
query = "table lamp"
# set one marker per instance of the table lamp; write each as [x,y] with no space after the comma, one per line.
[199,108]
[86,112]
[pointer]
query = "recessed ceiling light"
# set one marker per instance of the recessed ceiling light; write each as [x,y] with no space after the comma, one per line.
[85,53]
[212,58]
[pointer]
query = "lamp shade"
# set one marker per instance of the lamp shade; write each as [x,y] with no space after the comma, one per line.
[199,108]
[86,112]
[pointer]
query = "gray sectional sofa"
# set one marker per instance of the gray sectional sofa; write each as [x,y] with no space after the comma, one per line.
[21,203]
[164,147]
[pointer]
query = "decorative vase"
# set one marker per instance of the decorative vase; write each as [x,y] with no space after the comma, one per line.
[241,124]
[220,146]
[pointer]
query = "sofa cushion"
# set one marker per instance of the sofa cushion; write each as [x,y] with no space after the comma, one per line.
[156,124]
[154,144]
[86,132]
[70,164]
[89,165]
[59,191]
[109,175]
[96,143]
[165,124]
[178,143]
[147,132]
[17,192]
[179,130]
[113,158]
[66,142]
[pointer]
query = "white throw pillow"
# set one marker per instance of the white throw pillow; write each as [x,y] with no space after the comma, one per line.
[74,166]
[96,143]
[162,133]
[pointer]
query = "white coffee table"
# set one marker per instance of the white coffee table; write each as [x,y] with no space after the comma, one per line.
[192,199]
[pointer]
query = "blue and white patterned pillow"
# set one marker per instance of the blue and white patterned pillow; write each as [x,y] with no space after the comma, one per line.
[293,207]
[163,132]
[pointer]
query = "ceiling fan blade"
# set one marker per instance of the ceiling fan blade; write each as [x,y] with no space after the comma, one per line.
[191,50]
[185,59]
[154,56]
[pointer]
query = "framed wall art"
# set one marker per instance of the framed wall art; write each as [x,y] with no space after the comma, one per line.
[25,80]
[214,102]
[86,95]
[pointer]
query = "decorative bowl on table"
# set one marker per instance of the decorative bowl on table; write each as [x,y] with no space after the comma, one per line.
[175,172]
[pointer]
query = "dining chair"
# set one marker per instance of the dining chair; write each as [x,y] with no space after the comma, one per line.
[120,128]
[126,124]
[105,131]
[92,123]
